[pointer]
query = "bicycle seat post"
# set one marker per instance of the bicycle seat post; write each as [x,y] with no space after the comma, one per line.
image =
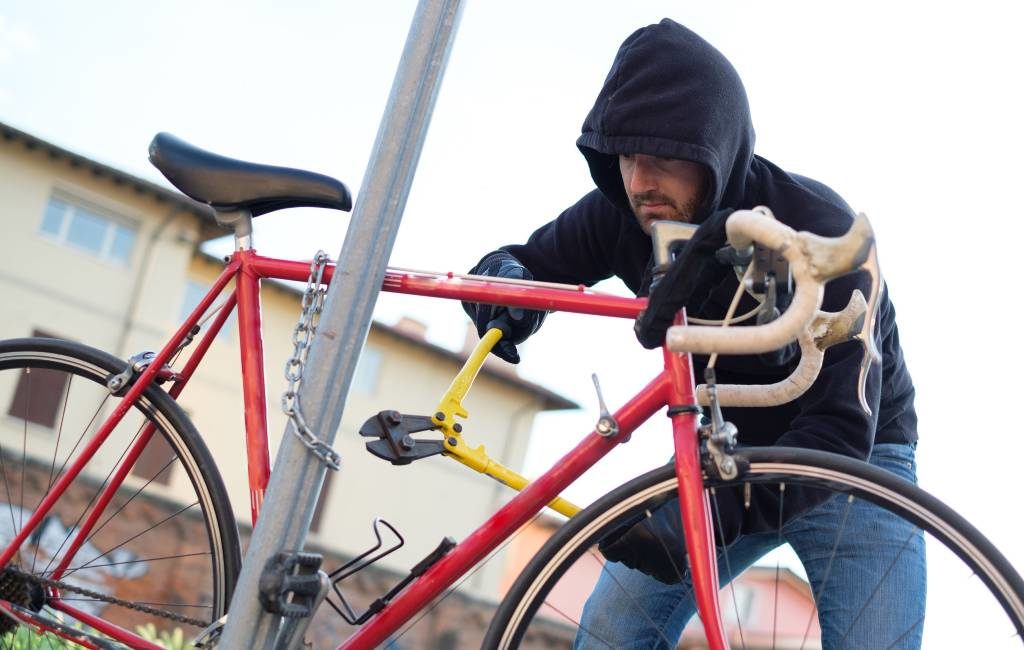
[240,221]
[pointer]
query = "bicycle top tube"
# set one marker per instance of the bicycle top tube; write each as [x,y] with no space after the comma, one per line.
[549,296]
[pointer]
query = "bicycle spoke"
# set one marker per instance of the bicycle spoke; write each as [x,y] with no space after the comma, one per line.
[778,564]
[81,437]
[136,536]
[53,462]
[92,500]
[917,624]
[828,570]
[820,538]
[636,604]
[135,494]
[108,546]
[878,585]
[728,568]
[60,431]
[139,561]
[7,491]
[578,624]
[24,449]
[668,553]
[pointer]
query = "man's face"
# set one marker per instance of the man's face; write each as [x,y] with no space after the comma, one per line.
[662,188]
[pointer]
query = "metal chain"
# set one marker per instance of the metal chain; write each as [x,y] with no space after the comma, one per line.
[63,586]
[305,329]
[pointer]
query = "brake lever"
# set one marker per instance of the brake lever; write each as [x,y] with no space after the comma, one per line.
[866,335]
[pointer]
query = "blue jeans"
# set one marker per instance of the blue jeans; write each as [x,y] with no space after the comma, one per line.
[629,609]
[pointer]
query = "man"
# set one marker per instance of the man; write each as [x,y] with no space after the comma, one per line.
[670,137]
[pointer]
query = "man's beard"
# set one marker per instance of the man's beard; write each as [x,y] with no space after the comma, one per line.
[679,212]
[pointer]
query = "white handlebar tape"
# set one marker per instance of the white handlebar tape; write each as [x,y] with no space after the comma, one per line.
[828,329]
[780,392]
[812,259]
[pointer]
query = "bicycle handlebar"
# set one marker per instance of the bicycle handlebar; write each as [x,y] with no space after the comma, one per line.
[814,260]
[827,329]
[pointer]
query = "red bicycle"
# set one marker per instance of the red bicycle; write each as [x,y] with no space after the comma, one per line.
[71,536]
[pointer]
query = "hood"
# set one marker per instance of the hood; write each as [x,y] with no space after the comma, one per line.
[669,93]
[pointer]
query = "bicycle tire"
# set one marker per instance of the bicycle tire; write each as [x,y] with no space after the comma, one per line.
[576,539]
[147,546]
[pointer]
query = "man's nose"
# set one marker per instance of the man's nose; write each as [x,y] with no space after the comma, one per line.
[643,178]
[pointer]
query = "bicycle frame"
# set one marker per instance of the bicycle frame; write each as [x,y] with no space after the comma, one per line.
[673,387]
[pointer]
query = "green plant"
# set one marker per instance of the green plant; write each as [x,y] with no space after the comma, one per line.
[173,640]
[25,638]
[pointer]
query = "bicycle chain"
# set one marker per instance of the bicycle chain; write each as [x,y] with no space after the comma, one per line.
[145,609]
[305,329]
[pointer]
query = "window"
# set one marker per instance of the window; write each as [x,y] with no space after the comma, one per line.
[39,393]
[194,293]
[157,460]
[88,229]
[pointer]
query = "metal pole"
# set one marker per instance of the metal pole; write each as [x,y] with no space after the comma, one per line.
[298,475]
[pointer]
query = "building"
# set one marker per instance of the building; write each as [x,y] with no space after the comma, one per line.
[99,256]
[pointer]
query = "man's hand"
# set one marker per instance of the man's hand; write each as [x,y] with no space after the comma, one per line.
[689,281]
[517,324]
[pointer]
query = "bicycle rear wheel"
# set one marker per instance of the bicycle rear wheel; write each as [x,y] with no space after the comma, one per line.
[164,552]
[542,609]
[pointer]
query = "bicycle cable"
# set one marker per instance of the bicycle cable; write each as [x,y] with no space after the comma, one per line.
[732,309]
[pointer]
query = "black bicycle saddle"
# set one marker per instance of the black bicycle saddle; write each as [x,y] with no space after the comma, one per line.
[227,184]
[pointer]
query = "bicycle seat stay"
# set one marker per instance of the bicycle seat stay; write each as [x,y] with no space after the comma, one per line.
[230,185]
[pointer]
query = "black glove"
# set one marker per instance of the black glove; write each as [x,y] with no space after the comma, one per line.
[656,545]
[689,281]
[516,323]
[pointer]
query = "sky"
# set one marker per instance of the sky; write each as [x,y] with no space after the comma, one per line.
[910,110]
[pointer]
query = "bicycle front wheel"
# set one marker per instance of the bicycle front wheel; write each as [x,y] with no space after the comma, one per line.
[975,597]
[163,554]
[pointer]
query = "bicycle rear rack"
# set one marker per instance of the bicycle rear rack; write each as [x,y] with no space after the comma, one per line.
[356,564]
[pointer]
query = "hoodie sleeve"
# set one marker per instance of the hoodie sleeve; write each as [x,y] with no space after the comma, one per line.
[587,243]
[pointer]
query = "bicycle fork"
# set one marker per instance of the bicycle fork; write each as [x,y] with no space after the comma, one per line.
[694,506]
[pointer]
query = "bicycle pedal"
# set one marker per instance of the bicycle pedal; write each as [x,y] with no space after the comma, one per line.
[290,584]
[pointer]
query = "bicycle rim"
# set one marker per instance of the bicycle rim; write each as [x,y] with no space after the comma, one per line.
[974,599]
[166,541]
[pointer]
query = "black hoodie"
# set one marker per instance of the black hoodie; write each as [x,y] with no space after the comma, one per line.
[671,94]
